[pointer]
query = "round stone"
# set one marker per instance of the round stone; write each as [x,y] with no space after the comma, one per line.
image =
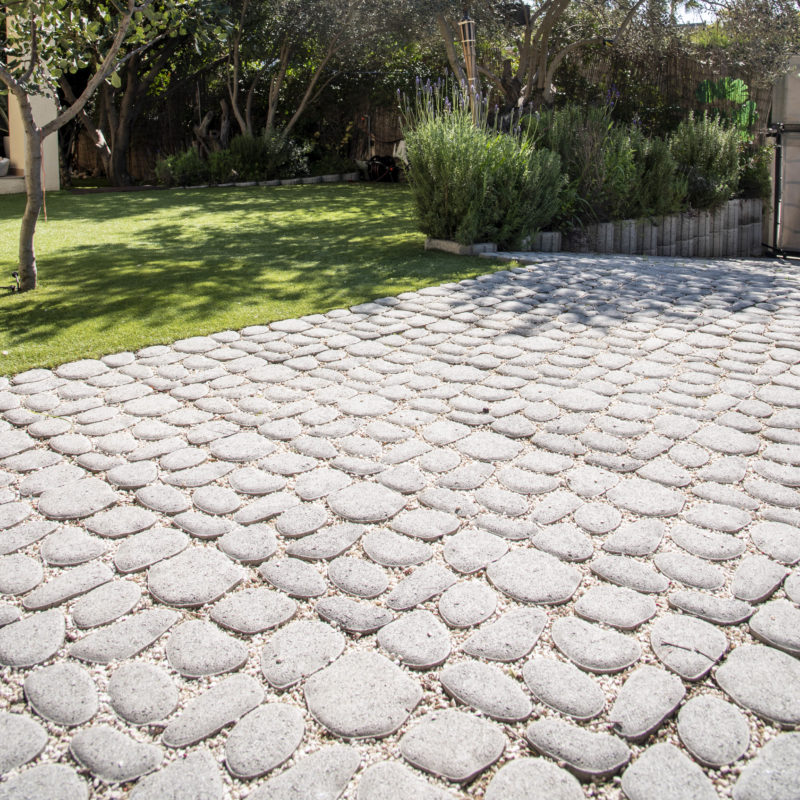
[245,446]
[588,755]
[70,546]
[21,740]
[617,606]
[64,693]
[662,772]
[320,482]
[299,650]
[253,611]
[707,544]
[216,500]
[719,610]
[388,778]
[718,517]
[640,538]
[295,577]
[418,639]
[597,518]
[195,577]
[249,544]
[106,603]
[120,521]
[777,623]
[630,573]
[53,781]
[76,499]
[225,702]
[357,576]
[361,695]
[778,540]
[133,476]
[533,577]
[163,499]
[142,693]
[197,648]
[148,547]
[525,778]
[713,731]
[466,604]
[250,480]
[112,756]
[423,584]
[352,616]
[509,638]
[9,614]
[425,524]
[301,520]
[202,526]
[452,745]
[197,775]
[366,502]
[485,446]
[646,498]
[687,646]
[393,550]
[564,541]
[564,687]
[646,699]
[764,680]
[594,649]
[263,740]
[33,639]
[19,574]
[774,773]
[487,689]
[49,478]
[689,570]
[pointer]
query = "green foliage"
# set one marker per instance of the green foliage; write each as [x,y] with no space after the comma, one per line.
[755,176]
[471,183]
[729,100]
[221,167]
[332,164]
[707,155]
[182,169]
[661,188]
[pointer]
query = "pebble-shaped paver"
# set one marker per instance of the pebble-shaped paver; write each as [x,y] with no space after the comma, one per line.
[508,638]
[687,645]
[418,639]
[63,693]
[774,773]
[142,693]
[195,776]
[387,778]
[564,687]
[196,648]
[593,648]
[648,696]
[523,778]
[663,772]
[53,781]
[716,733]
[21,740]
[197,576]
[32,640]
[486,688]
[112,756]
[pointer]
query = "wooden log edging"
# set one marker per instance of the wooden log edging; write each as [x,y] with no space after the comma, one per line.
[733,229]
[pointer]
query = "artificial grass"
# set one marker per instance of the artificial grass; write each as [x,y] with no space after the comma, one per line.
[122,271]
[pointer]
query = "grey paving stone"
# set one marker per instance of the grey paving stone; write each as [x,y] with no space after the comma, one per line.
[509,638]
[63,693]
[597,518]
[718,517]
[777,623]
[11,514]
[21,740]
[555,506]
[225,702]
[187,479]
[299,650]
[756,578]
[202,526]
[133,476]
[471,550]
[526,482]
[533,577]
[485,446]
[630,573]
[361,695]
[301,520]
[639,538]
[358,576]
[49,478]
[646,498]
[253,611]
[19,574]
[66,585]
[325,772]
[249,544]
[263,739]
[512,529]
[707,544]
[366,502]
[417,638]
[76,499]
[142,693]
[687,646]
[353,616]
[447,500]
[616,606]
[594,649]
[648,696]
[295,577]
[453,745]
[719,610]
[13,442]
[425,524]
[663,772]
[32,640]
[726,440]
[588,755]
[70,546]
[251,480]
[327,543]
[664,470]
[591,481]
[31,460]
[713,731]
[467,477]
[197,648]
[241,447]
[779,541]
[120,521]
[487,689]
[422,584]
[8,614]
[390,779]
[112,756]
[524,778]
[53,781]
[197,576]
[547,463]
[321,482]
[466,604]
[143,549]
[106,603]
[217,500]
[564,687]
[163,499]
[792,587]
[775,772]
[689,570]
[197,775]
[124,639]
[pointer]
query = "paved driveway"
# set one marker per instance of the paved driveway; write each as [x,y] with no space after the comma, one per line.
[530,535]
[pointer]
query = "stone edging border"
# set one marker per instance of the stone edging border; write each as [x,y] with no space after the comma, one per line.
[345,177]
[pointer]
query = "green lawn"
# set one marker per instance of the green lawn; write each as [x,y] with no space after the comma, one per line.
[121,271]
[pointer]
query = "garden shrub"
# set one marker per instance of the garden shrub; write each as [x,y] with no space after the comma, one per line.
[755,176]
[471,183]
[707,154]
[182,169]
[220,167]
[661,188]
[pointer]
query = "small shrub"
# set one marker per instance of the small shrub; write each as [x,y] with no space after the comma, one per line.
[332,164]
[182,169]
[220,167]
[707,154]
[163,170]
[755,177]
[661,188]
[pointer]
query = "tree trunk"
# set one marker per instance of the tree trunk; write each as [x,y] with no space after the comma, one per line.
[33,188]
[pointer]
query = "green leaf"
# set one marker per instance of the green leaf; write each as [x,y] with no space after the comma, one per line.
[115,80]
